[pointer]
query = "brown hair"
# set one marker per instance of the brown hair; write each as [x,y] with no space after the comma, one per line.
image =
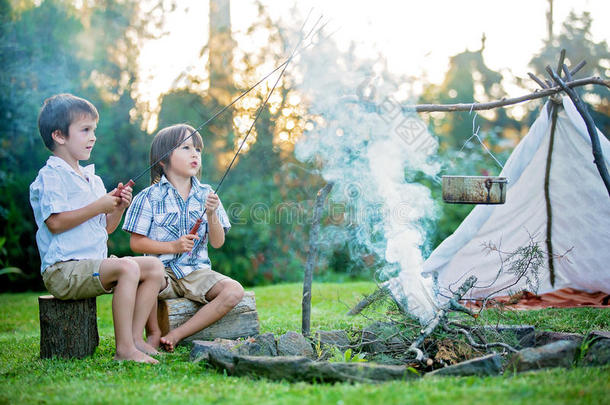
[168,139]
[58,112]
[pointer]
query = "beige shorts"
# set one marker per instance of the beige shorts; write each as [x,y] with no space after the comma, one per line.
[74,279]
[193,286]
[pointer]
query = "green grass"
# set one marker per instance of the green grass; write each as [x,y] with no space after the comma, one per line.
[24,378]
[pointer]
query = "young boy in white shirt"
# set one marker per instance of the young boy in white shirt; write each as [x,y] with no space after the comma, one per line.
[74,215]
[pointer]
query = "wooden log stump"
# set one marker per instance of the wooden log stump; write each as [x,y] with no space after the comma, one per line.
[241,321]
[67,328]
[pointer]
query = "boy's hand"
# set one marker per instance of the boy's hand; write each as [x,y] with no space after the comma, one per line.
[185,243]
[108,203]
[212,202]
[126,196]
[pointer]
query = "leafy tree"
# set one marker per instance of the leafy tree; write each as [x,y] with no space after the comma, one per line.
[262,193]
[575,37]
[88,49]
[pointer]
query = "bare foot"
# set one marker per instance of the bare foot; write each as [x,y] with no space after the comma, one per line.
[154,339]
[168,343]
[136,356]
[144,347]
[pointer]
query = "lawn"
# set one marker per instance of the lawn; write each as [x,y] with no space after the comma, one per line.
[24,378]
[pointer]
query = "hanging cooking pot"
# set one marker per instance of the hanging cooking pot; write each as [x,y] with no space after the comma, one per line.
[474,189]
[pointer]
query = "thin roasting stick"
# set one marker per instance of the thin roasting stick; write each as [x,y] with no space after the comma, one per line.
[197,224]
[132,181]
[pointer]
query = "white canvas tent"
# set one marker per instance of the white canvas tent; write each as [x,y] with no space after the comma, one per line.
[580,215]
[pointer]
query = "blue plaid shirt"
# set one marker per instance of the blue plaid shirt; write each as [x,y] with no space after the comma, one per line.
[159,213]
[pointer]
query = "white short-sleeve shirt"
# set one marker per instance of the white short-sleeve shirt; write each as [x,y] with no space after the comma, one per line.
[58,188]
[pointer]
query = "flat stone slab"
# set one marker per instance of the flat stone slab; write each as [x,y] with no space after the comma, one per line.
[300,368]
[481,366]
[557,354]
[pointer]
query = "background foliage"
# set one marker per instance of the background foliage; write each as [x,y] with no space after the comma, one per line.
[91,50]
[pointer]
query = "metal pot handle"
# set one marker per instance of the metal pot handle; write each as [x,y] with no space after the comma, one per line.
[501,181]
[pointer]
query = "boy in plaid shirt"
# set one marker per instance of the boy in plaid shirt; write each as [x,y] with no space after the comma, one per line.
[159,220]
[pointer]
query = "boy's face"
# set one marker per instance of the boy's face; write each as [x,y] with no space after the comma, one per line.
[185,160]
[81,138]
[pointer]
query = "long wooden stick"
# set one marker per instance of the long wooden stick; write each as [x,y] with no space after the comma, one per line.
[547,175]
[547,194]
[312,258]
[505,101]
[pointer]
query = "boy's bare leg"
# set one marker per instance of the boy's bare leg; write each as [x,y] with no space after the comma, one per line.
[222,298]
[124,276]
[152,280]
[153,331]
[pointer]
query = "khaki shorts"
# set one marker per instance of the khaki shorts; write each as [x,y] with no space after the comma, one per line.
[74,279]
[193,286]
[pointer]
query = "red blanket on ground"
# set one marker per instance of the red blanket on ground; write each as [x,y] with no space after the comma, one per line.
[564,298]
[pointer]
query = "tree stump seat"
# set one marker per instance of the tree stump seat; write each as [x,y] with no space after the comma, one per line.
[241,321]
[67,328]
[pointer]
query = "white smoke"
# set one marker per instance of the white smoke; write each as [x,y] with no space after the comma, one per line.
[364,143]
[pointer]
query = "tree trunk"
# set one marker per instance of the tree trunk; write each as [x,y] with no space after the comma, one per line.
[67,328]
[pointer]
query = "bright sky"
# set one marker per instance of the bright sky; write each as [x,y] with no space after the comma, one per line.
[414,36]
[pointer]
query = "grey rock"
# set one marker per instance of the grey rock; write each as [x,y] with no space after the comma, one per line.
[294,344]
[336,338]
[546,337]
[221,358]
[329,343]
[598,351]
[599,334]
[482,366]
[381,337]
[263,345]
[557,354]
[200,350]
